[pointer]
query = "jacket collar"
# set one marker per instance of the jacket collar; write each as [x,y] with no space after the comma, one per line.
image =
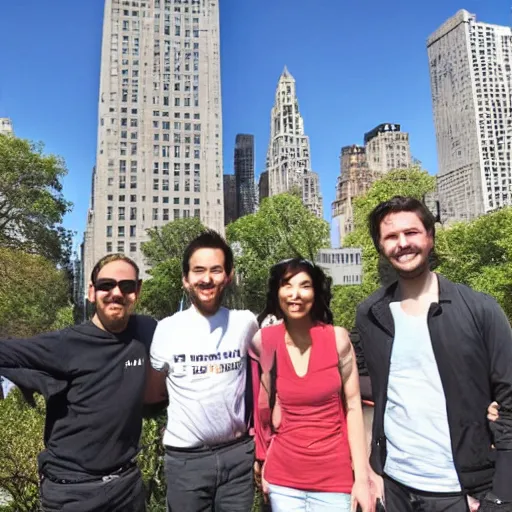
[382,313]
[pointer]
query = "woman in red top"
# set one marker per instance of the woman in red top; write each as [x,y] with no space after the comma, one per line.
[310,436]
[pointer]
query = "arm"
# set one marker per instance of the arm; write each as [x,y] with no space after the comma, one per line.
[45,352]
[498,338]
[262,430]
[157,371]
[355,422]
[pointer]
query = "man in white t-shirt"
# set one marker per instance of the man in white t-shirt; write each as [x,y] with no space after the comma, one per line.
[201,355]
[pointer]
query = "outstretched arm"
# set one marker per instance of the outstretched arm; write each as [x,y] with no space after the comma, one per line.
[46,352]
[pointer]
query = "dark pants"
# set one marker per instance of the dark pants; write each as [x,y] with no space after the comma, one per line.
[216,479]
[400,498]
[123,493]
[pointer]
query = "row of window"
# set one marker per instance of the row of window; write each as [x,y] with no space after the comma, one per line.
[165,200]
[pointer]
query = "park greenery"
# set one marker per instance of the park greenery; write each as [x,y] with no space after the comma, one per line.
[35,290]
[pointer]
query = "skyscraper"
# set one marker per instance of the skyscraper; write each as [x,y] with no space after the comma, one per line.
[244,172]
[471,80]
[230,199]
[387,148]
[354,180]
[159,155]
[288,155]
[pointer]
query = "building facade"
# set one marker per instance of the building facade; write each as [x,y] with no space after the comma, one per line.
[159,154]
[387,148]
[230,199]
[6,126]
[354,180]
[288,156]
[244,172]
[344,266]
[263,191]
[471,80]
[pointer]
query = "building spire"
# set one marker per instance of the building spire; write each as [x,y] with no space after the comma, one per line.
[286,73]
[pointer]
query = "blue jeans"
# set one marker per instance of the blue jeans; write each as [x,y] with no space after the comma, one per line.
[286,499]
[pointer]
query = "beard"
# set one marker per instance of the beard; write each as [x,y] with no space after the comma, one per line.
[202,306]
[113,323]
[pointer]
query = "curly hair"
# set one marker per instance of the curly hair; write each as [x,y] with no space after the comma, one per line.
[281,273]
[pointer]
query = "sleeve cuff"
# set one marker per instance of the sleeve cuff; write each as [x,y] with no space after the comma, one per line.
[502,475]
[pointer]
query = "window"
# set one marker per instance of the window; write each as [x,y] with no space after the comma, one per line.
[176,214]
[120,231]
[133,198]
[110,197]
[197,213]
[165,184]
[165,200]
[122,181]
[186,214]
[155,184]
[155,213]
[121,199]
[133,181]
[121,213]
[155,199]
[133,213]
[120,246]
[176,200]
[109,231]
[109,247]
[165,214]
[187,200]
[110,181]
[109,212]
[196,200]
[132,231]
[122,166]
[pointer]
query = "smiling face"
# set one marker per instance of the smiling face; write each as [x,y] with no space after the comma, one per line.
[296,296]
[206,280]
[406,244]
[114,306]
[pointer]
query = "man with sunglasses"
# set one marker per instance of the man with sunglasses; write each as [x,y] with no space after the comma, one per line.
[209,453]
[94,414]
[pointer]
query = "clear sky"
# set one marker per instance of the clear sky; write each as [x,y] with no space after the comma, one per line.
[357,63]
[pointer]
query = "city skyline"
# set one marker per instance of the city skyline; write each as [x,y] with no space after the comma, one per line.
[61,111]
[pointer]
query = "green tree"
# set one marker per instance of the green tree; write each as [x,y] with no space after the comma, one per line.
[412,182]
[479,254]
[282,228]
[31,202]
[34,294]
[162,293]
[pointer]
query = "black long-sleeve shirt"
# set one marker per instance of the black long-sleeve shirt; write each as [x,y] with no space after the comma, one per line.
[93,424]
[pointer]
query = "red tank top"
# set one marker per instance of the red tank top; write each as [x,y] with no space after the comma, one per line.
[310,449]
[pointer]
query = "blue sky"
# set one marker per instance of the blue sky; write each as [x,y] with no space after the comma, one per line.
[356,63]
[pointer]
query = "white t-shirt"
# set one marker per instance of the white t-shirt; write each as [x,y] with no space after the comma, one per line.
[419,449]
[207,358]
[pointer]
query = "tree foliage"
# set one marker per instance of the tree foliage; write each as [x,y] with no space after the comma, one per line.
[31,202]
[479,254]
[34,294]
[162,293]
[282,228]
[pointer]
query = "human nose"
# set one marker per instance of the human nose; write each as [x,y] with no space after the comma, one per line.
[402,240]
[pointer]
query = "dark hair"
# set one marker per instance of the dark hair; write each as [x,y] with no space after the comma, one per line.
[395,205]
[109,258]
[282,272]
[208,240]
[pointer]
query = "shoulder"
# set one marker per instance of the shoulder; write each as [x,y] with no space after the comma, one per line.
[364,307]
[343,343]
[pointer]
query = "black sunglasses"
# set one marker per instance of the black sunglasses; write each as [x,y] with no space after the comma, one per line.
[125,285]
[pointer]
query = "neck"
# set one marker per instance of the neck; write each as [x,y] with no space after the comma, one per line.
[98,323]
[206,312]
[421,285]
[299,328]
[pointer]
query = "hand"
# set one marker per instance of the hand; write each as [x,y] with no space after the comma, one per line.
[376,485]
[260,482]
[362,496]
[492,411]
[473,504]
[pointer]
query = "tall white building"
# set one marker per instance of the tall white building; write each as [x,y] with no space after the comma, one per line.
[159,155]
[5,126]
[288,154]
[470,73]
